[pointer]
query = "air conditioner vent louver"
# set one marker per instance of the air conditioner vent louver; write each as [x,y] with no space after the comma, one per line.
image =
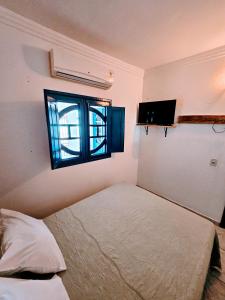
[77,69]
[82,80]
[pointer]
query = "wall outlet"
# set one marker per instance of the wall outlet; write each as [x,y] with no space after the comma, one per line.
[213,162]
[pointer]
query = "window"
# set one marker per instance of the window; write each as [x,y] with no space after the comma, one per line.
[79,127]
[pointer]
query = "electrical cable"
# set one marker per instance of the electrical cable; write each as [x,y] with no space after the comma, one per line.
[213,128]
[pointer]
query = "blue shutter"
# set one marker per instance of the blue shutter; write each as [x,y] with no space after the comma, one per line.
[117,128]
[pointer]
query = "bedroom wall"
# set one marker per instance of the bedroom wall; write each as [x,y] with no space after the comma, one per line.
[177,167]
[27,182]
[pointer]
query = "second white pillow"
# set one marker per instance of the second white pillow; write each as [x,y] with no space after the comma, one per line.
[28,245]
[21,289]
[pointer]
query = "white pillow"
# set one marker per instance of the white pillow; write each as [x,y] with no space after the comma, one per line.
[28,245]
[22,289]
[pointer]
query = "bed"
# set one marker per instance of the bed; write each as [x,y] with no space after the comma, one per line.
[127,243]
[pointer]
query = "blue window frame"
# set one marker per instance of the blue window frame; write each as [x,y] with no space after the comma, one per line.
[79,128]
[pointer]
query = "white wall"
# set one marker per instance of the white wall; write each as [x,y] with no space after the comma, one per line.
[177,167]
[27,182]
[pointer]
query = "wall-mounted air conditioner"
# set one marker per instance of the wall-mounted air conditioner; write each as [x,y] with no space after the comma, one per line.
[74,67]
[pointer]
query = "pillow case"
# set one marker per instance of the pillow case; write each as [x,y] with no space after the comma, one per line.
[22,289]
[28,245]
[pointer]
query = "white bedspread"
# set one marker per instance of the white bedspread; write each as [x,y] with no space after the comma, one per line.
[126,243]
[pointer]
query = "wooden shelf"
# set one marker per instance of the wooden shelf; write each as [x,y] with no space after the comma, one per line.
[202,119]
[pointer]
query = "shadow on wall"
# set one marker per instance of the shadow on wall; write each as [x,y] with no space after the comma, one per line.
[24,143]
[37,59]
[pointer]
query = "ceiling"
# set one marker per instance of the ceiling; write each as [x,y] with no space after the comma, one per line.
[144,33]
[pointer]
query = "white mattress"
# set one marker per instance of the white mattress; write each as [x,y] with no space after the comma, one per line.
[127,243]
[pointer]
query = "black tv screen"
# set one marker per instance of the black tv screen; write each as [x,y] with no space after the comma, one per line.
[157,113]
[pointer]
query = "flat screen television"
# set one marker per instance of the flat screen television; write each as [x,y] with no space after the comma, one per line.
[157,113]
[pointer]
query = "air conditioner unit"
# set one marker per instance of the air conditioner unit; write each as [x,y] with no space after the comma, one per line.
[74,67]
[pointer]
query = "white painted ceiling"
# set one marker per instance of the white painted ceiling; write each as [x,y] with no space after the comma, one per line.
[144,33]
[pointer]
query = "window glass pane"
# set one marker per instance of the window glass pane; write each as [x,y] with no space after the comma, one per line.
[72,146]
[97,131]
[62,105]
[63,132]
[97,146]
[97,115]
[74,131]
[72,116]
[65,155]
